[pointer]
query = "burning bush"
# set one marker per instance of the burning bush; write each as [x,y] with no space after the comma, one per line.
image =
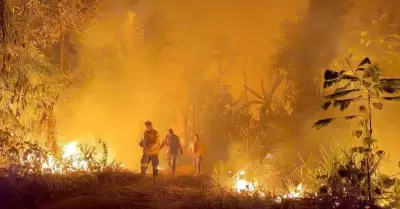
[23,158]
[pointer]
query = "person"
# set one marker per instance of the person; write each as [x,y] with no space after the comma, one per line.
[173,144]
[151,148]
[197,150]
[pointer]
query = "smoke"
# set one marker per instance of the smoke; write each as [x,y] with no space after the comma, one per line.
[137,56]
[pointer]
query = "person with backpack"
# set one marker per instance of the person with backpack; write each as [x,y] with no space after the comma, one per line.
[151,147]
[174,147]
[196,149]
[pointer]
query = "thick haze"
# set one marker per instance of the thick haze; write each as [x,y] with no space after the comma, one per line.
[143,51]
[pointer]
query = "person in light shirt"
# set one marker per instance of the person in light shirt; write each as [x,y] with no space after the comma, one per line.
[196,149]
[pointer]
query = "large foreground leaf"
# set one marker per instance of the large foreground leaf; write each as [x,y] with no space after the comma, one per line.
[392,98]
[364,61]
[344,103]
[323,123]
[338,94]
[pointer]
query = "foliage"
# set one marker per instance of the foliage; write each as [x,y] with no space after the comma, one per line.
[360,85]
[30,83]
[219,117]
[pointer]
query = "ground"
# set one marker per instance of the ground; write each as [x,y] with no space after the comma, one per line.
[117,190]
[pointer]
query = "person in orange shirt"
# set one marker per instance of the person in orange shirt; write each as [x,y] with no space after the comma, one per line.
[196,149]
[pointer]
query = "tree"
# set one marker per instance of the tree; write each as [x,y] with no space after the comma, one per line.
[306,47]
[30,84]
[71,17]
[364,85]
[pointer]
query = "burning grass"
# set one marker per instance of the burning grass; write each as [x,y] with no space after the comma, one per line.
[27,158]
[254,178]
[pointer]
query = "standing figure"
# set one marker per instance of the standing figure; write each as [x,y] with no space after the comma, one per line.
[197,150]
[173,144]
[151,148]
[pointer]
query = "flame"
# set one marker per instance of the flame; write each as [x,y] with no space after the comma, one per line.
[70,152]
[241,184]
[297,193]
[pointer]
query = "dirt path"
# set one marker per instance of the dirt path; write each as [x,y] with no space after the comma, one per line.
[182,191]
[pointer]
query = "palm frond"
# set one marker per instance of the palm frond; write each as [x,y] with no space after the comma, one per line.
[343,87]
[331,74]
[326,105]
[323,123]
[336,95]
[344,103]
[397,98]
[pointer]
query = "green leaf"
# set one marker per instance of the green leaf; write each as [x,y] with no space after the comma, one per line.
[390,80]
[331,74]
[364,61]
[387,183]
[349,77]
[323,123]
[329,83]
[358,133]
[350,117]
[397,98]
[378,106]
[326,105]
[362,109]
[371,71]
[386,88]
[340,94]
[380,153]
[368,140]
[343,87]
[344,103]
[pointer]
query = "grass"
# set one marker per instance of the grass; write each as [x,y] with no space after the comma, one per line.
[121,190]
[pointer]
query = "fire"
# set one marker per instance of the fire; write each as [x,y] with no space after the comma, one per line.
[70,152]
[241,184]
[297,193]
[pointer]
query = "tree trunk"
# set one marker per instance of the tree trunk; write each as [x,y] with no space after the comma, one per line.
[52,134]
[3,33]
[62,43]
[3,22]
[194,119]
